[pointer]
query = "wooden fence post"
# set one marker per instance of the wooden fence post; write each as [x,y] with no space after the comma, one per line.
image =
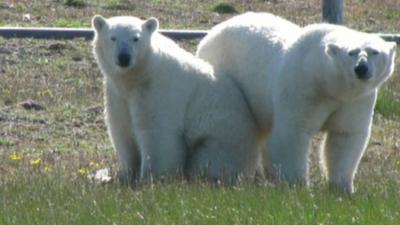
[332,11]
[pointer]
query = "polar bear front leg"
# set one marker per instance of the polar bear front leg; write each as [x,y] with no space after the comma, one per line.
[348,135]
[297,118]
[163,154]
[343,154]
[121,134]
[287,152]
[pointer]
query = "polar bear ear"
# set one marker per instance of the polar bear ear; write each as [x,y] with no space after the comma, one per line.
[99,22]
[332,49]
[151,24]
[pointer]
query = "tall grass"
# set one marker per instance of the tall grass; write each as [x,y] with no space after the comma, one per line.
[388,104]
[55,199]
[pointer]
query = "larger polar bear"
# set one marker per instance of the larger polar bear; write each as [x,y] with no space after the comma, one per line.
[328,81]
[166,111]
[324,79]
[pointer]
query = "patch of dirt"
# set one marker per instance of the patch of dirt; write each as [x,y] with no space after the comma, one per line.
[32,104]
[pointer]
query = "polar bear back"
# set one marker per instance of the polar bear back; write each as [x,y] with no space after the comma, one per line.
[249,48]
[250,37]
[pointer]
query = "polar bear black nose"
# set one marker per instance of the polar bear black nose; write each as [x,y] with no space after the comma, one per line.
[361,70]
[124,59]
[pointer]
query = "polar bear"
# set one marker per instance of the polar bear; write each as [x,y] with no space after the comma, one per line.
[166,111]
[299,81]
[328,81]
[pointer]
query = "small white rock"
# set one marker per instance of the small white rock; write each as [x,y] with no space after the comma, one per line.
[101,176]
[26,17]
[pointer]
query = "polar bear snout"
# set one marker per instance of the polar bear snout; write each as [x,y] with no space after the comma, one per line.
[124,59]
[362,71]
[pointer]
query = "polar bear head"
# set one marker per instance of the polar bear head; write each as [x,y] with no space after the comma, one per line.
[121,43]
[360,57]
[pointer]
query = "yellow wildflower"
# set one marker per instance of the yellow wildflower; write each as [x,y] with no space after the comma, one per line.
[15,157]
[94,165]
[83,171]
[36,162]
[47,169]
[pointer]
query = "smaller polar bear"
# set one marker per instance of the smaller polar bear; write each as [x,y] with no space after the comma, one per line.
[300,81]
[166,111]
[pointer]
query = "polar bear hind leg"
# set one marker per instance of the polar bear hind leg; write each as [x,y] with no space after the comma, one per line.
[226,156]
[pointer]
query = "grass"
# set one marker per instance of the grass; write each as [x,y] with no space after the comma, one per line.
[120,5]
[46,155]
[70,23]
[54,198]
[224,8]
[388,104]
[75,3]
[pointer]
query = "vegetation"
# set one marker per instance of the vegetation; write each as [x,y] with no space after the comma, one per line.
[75,3]
[224,8]
[52,134]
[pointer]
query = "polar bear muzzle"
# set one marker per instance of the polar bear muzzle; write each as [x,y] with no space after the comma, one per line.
[124,59]
[362,71]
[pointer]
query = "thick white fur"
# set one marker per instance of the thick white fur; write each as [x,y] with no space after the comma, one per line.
[249,47]
[317,89]
[305,83]
[167,112]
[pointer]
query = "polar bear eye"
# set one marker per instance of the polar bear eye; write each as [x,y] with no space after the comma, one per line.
[374,52]
[354,52]
[113,38]
[135,39]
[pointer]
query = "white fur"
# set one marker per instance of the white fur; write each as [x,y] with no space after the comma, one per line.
[249,47]
[166,111]
[317,89]
[302,84]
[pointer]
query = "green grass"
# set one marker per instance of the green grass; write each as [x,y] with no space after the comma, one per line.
[393,14]
[50,198]
[75,3]
[388,104]
[45,155]
[7,143]
[120,5]
[224,8]
[71,23]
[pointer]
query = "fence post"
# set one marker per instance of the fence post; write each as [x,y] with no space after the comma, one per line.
[332,11]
